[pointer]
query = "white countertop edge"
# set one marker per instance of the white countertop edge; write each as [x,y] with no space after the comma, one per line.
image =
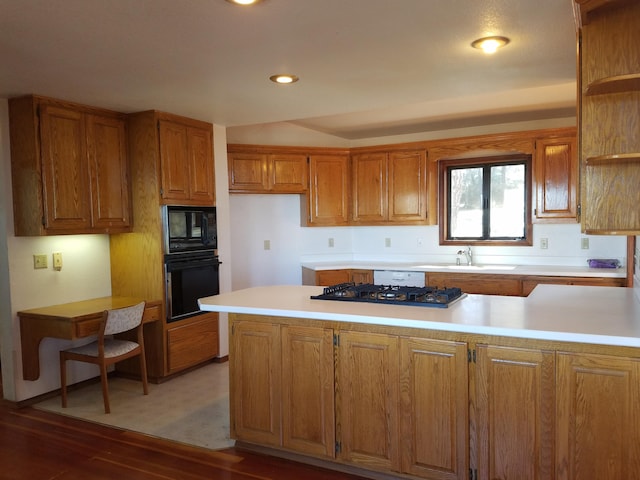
[571,337]
[537,270]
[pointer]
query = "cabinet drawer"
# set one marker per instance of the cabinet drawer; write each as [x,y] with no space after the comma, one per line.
[87,328]
[191,343]
[484,284]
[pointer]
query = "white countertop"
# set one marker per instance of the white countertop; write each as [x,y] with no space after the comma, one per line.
[538,270]
[600,315]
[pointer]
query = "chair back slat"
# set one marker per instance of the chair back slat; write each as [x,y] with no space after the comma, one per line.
[123,319]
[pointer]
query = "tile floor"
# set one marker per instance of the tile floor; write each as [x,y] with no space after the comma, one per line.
[192,408]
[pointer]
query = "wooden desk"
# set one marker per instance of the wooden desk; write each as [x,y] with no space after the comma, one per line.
[69,321]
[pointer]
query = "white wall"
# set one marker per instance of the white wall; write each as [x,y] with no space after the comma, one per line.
[257,218]
[85,274]
[276,218]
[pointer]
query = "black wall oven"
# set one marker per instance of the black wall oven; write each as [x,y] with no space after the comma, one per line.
[191,260]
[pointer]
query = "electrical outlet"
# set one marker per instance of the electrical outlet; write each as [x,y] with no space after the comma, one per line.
[267,244]
[419,242]
[387,242]
[330,242]
[39,261]
[57,261]
[584,243]
[544,243]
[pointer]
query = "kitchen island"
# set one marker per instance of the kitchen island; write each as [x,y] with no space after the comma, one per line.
[545,386]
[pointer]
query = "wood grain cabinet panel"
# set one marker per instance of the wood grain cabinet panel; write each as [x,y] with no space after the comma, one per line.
[70,169]
[186,157]
[368,382]
[485,284]
[390,187]
[515,398]
[434,408]
[597,417]
[192,341]
[556,180]
[283,386]
[262,172]
[327,202]
[609,117]
[308,421]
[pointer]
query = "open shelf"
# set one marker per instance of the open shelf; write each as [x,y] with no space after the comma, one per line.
[613,158]
[617,84]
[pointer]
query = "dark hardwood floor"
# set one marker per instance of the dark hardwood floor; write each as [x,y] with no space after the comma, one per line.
[38,445]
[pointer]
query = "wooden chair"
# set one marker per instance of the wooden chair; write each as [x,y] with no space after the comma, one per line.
[107,350]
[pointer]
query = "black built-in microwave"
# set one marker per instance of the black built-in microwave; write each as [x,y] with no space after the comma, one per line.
[189,229]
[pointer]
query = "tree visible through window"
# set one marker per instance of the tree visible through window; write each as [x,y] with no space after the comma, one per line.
[486,200]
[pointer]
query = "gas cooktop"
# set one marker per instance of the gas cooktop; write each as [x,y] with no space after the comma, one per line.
[392,294]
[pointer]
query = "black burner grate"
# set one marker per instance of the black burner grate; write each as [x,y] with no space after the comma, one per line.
[391,294]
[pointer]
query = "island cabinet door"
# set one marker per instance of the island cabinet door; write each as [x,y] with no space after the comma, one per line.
[368,400]
[308,420]
[434,403]
[255,377]
[515,413]
[598,417]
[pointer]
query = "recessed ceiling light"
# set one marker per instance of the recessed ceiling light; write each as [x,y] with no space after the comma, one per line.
[490,44]
[283,78]
[243,2]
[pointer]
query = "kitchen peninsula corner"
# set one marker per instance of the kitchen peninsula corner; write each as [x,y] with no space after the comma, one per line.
[490,386]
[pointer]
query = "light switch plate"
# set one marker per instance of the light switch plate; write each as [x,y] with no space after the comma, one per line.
[39,261]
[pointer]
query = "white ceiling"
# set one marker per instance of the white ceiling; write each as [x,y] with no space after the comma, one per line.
[366,67]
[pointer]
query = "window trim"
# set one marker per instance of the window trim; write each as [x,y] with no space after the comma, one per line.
[443,204]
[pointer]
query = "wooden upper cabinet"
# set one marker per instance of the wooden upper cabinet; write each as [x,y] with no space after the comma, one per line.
[186,157]
[108,170]
[247,172]
[70,168]
[259,172]
[556,180]
[390,187]
[327,201]
[609,117]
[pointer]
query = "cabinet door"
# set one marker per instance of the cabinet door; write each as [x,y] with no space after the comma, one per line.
[328,198]
[248,172]
[192,341]
[201,171]
[173,160]
[332,277]
[556,180]
[515,413]
[369,187]
[109,173]
[482,283]
[308,422]
[362,276]
[434,408]
[65,171]
[255,369]
[407,187]
[288,173]
[368,405]
[597,417]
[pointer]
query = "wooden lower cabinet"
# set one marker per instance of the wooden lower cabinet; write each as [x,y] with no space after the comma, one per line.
[434,408]
[192,341]
[515,392]
[334,277]
[453,407]
[598,417]
[480,283]
[282,386]
[368,389]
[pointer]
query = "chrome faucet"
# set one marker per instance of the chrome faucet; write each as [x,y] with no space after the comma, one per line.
[468,255]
